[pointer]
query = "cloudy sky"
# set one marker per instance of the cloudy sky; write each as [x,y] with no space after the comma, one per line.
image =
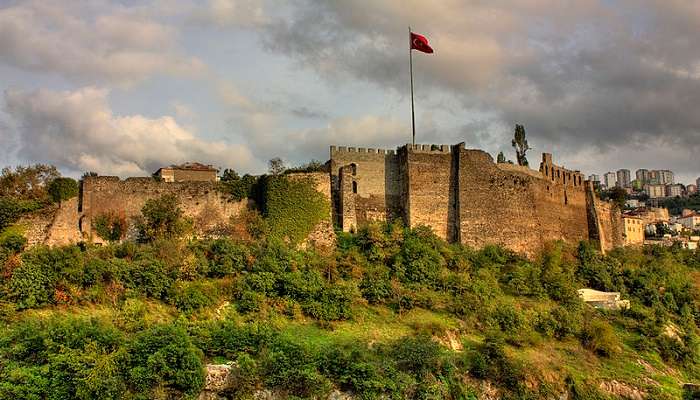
[124,87]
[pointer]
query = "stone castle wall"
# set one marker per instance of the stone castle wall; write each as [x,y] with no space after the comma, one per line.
[465,197]
[199,201]
[374,175]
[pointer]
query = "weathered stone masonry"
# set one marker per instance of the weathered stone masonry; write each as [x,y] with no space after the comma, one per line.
[459,193]
[199,201]
[465,197]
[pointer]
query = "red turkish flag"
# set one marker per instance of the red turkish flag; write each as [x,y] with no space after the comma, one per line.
[420,43]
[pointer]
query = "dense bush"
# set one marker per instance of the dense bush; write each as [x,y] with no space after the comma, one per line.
[281,326]
[599,337]
[163,355]
[61,189]
[162,219]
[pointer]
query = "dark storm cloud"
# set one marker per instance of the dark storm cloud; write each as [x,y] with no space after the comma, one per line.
[583,74]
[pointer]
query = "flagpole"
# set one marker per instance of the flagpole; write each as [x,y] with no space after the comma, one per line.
[410,67]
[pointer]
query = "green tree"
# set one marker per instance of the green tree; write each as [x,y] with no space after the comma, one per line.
[501,158]
[520,144]
[238,187]
[276,166]
[617,195]
[27,183]
[162,218]
[61,189]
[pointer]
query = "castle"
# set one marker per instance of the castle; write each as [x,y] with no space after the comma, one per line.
[461,194]
[464,196]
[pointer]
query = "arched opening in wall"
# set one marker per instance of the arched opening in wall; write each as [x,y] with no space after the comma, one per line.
[353,169]
[558,174]
[546,170]
[566,198]
[354,187]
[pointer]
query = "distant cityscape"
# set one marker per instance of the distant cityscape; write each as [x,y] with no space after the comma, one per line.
[647,184]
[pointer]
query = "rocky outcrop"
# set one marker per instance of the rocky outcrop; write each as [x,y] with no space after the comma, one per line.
[220,381]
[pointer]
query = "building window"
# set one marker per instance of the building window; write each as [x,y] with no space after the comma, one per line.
[354,187]
[353,169]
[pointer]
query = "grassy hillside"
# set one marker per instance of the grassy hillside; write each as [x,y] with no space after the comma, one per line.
[391,313]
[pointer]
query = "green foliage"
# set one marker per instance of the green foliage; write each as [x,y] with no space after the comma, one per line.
[135,350]
[27,183]
[11,209]
[226,257]
[311,166]
[110,226]
[162,219]
[617,195]
[163,355]
[61,189]
[598,336]
[291,206]
[418,261]
[238,187]
[491,361]
[520,145]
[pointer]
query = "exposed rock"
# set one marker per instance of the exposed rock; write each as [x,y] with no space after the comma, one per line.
[220,379]
[217,380]
[622,390]
[673,332]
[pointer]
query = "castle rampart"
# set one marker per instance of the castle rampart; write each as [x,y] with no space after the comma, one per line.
[464,196]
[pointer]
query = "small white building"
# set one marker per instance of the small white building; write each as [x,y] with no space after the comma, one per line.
[690,220]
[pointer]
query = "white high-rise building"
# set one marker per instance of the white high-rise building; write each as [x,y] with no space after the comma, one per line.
[610,179]
[623,178]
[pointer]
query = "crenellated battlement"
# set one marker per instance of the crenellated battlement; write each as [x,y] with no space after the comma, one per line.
[345,149]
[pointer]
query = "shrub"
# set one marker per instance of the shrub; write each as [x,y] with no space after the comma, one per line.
[226,257]
[163,355]
[333,304]
[598,336]
[491,362]
[292,367]
[189,297]
[162,219]
[376,285]
[237,187]
[418,261]
[111,226]
[61,189]
[11,209]
[149,277]
[418,354]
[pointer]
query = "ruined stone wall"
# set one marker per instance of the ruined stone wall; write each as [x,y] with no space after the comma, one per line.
[199,200]
[373,177]
[64,227]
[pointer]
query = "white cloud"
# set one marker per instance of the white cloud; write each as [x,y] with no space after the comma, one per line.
[86,44]
[76,130]
[231,13]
